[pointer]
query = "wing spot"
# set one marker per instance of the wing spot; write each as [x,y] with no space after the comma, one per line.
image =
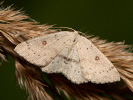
[65,62]
[97,58]
[27,43]
[112,67]
[74,40]
[44,42]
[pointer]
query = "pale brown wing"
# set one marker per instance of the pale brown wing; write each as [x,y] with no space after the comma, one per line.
[67,63]
[41,50]
[96,67]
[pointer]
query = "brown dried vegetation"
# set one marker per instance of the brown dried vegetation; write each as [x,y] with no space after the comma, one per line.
[15,29]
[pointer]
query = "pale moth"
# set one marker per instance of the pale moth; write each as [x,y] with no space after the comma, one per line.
[70,54]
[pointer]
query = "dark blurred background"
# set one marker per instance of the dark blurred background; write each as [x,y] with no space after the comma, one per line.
[108,19]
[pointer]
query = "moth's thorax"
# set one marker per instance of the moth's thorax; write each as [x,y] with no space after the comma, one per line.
[76,36]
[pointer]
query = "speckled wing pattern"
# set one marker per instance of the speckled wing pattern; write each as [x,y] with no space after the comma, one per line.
[67,63]
[95,66]
[41,50]
[70,54]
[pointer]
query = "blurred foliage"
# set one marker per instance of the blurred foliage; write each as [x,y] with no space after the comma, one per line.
[108,19]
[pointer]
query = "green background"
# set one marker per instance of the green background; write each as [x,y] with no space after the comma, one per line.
[108,19]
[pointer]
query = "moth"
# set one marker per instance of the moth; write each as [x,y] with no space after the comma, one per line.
[70,54]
